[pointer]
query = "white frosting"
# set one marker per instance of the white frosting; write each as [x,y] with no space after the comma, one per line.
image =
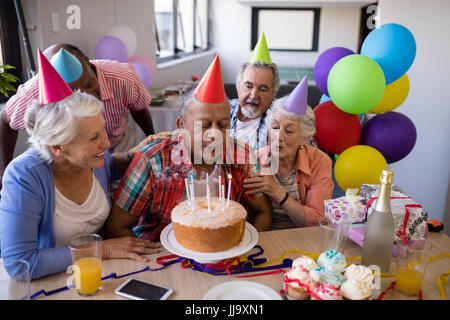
[302,275]
[305,262]
[200,217]
[360,273]
[355,290]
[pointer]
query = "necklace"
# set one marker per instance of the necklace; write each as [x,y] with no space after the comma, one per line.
[284,179]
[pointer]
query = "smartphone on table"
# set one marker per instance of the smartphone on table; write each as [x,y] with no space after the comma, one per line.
[140,290]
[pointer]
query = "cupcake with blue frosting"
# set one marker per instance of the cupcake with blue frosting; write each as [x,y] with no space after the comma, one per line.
[323,275]
[333,261]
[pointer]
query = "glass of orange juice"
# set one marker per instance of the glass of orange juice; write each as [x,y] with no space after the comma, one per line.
[86,253]
[412,260]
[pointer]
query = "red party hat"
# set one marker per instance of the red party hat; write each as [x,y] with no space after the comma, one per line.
[52,87]
[210,88]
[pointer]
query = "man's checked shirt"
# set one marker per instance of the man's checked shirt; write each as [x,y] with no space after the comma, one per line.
[154,182]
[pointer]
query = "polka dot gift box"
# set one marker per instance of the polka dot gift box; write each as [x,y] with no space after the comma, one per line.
[349,208]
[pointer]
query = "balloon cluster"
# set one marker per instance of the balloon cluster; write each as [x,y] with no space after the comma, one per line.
[374,81]
[120,44]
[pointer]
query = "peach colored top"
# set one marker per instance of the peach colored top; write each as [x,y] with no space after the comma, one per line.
[314,180]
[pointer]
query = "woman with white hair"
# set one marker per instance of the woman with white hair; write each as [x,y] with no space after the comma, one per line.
[300,175]
[59,187]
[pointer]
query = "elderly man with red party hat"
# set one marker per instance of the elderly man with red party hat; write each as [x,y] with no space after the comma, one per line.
[59,188]
[155,181]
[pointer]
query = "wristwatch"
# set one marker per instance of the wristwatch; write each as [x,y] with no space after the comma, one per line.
[286,196]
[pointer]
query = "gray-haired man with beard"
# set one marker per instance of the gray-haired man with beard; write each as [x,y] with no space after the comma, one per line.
[257,84]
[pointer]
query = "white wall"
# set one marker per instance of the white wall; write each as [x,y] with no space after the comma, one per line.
[339,26]
[425,172]
[97,18]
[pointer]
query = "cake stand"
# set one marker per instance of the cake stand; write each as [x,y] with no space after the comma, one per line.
[169,242]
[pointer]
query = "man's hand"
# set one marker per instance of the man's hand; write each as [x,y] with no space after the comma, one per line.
[150,138]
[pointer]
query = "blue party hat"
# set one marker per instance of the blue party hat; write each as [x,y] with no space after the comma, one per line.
[67,65]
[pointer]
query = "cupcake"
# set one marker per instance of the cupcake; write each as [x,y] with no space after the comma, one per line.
[324,275]
[298,282]
[305,262]
[327,291]
[332,260]
[355,290]
[360,273]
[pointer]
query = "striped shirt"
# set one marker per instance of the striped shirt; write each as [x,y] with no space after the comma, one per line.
[280,219]
[154,182]
[121,90]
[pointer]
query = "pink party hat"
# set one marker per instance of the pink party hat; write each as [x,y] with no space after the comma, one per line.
[52,87]
[297,100]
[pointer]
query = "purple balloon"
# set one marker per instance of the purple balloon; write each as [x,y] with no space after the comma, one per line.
[143,73]
[325,62]
[391,133]
[111,48]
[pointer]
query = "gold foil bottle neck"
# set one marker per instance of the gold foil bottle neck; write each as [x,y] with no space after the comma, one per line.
[387,176]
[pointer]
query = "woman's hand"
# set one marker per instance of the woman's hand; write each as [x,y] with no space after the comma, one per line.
[150,138]
[266,184]
[128,248]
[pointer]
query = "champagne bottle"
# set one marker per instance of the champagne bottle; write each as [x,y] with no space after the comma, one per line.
[380,228]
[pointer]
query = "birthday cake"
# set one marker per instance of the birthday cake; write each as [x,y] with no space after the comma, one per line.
[212,227]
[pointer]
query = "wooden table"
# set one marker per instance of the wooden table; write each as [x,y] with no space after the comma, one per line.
[190,284]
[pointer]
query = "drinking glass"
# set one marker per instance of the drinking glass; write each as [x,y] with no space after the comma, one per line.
[14,280]
[412,259]
[86,253]
[333,236]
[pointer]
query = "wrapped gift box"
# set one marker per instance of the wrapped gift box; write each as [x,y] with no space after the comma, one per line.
[409,217]
[349,208]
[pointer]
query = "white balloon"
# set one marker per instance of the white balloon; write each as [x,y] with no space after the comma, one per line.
[127,35]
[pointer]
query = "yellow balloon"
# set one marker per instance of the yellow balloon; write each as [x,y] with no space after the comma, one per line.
[394,95]
[357,165]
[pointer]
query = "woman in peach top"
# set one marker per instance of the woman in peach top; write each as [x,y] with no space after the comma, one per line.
[297,177]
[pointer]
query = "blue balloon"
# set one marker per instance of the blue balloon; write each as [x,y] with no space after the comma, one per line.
[393,47]
[324,98]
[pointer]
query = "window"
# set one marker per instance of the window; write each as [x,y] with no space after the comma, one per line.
[9,42]
[287,29]
[181,28]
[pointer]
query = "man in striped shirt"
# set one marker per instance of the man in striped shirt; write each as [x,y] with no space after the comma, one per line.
[115,84]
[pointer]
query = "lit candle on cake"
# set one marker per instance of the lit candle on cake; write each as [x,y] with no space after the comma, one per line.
[223,196]
[220,187]
[208,197]
[188,193]
[229,189]
[192,187]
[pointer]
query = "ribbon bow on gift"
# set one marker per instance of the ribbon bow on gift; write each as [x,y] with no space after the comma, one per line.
[402,233]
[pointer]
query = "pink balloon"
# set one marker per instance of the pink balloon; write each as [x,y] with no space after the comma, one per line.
[145,60]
